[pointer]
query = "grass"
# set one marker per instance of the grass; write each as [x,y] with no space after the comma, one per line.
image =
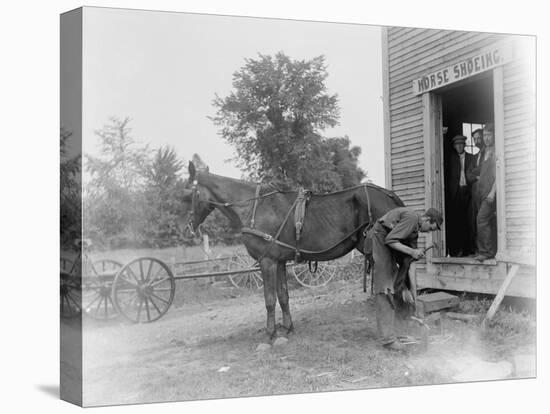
[334,348]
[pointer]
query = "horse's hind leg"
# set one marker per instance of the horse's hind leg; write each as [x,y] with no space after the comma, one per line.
[269,274]
[282,294]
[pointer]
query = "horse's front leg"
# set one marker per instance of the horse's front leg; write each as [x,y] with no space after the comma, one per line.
[282,294]
[269,275]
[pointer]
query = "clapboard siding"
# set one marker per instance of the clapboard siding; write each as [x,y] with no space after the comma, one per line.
[432,58]
[519,154]
[410,53]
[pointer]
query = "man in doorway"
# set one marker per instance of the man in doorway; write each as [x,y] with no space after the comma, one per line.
[486,219]
[472,175]
[395,236]
[459,195]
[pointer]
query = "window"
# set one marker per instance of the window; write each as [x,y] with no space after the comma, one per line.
[467,130]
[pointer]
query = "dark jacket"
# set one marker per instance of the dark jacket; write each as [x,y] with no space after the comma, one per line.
[487,176]
[472,173]
[453,172]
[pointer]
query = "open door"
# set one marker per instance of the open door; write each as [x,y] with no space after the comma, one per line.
[465,107]
[433,175]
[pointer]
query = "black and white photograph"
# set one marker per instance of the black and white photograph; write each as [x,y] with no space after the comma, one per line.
[238,217]
[290,206]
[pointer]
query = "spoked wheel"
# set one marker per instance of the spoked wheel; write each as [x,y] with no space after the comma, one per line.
[325,272]
[245,280]
[96,289]
[66,265]
[143,290]
[70,297]
[355,266]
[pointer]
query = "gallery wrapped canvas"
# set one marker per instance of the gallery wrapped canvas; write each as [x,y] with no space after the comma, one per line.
[257,207]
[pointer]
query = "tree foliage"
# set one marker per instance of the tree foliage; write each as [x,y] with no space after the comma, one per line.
[273,119]
[133,194]
[70,191]
[163,188]
[115,189]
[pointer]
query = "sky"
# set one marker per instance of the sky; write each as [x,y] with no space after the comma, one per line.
[162,70]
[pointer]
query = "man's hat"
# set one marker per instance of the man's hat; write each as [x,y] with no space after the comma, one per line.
[459,139]
[435,216]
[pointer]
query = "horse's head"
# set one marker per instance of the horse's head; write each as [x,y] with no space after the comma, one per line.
[197,202]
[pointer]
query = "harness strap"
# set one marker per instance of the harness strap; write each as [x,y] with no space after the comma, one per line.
[299,216]
[256,197]
[368,210]
[273,240]
[268,237]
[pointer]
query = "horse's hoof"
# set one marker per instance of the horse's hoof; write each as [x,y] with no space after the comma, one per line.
[290,329]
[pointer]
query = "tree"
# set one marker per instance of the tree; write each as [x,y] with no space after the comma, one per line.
[345,161]
[274,117]
[163,198]
[70,191]
[114,191]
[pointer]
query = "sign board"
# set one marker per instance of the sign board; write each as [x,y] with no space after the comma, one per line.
[482,62]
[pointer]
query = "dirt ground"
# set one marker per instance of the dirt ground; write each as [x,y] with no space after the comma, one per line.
[206,347]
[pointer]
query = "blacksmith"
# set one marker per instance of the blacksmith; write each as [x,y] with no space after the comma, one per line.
[395,237]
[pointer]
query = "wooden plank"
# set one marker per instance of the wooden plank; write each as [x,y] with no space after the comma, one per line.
[406,169]
[412,48]
[447,47]
[402,118]
[404,96]
[386,109]
[438,300]
[397,32]
[406,135]
[409,187]
[519,103]
[499,152]
[406,156]
[406,164]
[406,126]
[405,105]
[420,40]
[478,278]
[519,118]
[410,175]
[409,145]
[402,82]
[500,295]
[430,59]
[406,117]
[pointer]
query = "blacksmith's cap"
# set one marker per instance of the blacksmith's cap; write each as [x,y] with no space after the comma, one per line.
[459,139]
[435,217]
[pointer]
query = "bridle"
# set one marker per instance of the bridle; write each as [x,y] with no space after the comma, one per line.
[195,192]
[194,201]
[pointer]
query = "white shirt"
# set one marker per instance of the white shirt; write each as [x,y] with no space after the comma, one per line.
[462,175]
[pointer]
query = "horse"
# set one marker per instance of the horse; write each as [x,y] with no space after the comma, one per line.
[331,225]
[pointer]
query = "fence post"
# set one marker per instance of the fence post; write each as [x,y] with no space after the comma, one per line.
[207,252]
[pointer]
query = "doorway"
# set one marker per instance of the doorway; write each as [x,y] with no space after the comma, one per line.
[465,107]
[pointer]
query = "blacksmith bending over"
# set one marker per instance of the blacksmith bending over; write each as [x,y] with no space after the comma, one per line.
[395,235]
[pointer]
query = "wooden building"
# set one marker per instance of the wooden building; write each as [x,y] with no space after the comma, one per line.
[438,83]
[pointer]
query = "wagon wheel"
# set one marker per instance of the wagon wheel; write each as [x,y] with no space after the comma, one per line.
[356,266]
[325,272]
[248,280]
[143,290]
[69,297]
[97,283]
[66,265]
